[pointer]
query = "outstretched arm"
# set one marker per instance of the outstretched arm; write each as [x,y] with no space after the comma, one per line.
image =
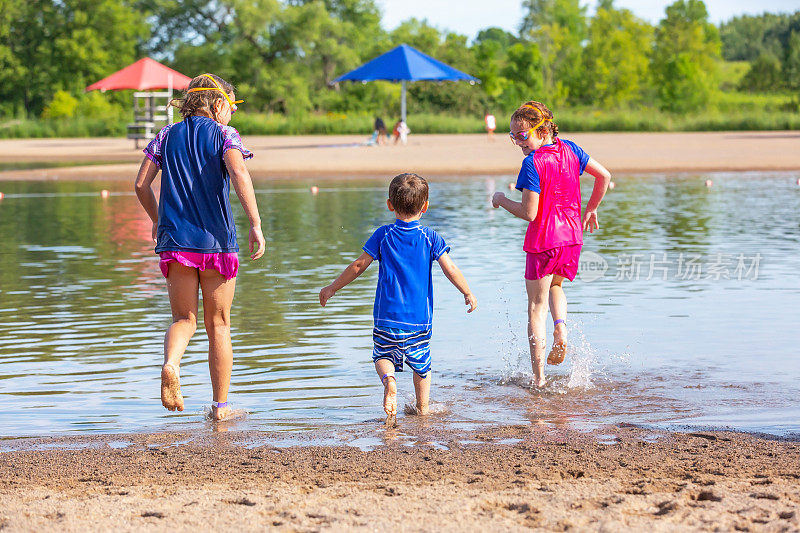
[457,278]
[355,269]
[602,177]
[144,191]
[243,185]
[526,210]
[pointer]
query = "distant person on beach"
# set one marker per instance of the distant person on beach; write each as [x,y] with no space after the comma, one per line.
[194,230]
[491,125]
[551,203]
[403,310]
[379,135]
[401,131]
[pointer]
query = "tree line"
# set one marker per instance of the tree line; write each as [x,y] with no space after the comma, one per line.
[282,55]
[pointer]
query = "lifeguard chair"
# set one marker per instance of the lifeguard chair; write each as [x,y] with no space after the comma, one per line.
[151,108]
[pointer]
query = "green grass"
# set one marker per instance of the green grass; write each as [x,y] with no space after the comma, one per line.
[731,111]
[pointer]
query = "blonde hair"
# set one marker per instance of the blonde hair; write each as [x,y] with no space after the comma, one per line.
[201,102]
[532,113]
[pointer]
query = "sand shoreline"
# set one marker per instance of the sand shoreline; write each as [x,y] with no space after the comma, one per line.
[547,480]
[341,156]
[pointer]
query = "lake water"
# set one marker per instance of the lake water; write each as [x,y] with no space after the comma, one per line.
[686,315]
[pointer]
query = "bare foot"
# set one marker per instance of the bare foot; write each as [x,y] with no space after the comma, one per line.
[220,413]
[423,409]
[559,350]
[390,396]
[540,383]
[171,396]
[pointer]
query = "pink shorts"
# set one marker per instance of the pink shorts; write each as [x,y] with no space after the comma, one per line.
[561,261]
[225,264]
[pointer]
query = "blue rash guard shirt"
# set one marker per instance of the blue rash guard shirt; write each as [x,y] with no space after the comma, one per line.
[406,252]
[194,211]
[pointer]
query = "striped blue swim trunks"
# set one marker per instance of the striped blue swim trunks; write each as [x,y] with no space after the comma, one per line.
[398,344]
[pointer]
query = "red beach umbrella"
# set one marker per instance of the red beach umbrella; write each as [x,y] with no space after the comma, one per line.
[144,75]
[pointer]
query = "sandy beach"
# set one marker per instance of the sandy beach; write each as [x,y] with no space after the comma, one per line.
[550,480]
[428,478]
[429,155]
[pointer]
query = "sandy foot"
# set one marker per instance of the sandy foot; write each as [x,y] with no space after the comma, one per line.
[390,397]
[559,350]
[171,396]
[220,413]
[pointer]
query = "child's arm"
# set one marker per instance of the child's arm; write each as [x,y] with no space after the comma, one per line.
[526,210]
[143,187]
[602,177]
[243,185]
[355,269]
[457,278]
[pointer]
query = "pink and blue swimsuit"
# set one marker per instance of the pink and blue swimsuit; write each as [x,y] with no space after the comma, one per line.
[195,222]
[554,238]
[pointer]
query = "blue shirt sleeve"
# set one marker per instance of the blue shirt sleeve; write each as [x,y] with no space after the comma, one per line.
[373,244]
[582,156]
[528,177]
[438,246]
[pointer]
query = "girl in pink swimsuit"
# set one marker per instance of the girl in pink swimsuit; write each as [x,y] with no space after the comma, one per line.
[551,203]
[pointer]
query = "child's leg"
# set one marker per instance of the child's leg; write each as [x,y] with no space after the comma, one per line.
[422,389]
[385,370]
[538,290]
[558,310]
[182,286]
[217,300]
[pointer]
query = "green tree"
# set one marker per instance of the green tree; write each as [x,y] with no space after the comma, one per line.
[791,62]
[65,46]
[558,27]
[617,64]
[685,56]
[764,75]
[524,72]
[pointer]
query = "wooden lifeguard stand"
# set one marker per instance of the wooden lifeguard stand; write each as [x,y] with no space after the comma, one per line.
[151,107]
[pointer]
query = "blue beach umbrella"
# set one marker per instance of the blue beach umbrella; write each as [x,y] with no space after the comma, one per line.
[405,64]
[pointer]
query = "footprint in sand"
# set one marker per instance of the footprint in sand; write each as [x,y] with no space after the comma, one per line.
[171,396]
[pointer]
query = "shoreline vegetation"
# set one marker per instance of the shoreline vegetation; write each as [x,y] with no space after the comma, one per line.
[783,116]
[600,70]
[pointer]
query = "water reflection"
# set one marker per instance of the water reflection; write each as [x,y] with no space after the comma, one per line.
[83,310]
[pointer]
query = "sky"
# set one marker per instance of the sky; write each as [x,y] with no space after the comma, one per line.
[467,17]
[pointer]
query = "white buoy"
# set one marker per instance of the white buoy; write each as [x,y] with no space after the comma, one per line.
[798,182]
[314,189]
[709,183]
[104,194]
[510,186]
[611,184]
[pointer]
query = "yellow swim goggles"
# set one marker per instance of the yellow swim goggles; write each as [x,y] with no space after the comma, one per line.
[217,88]
[523,135]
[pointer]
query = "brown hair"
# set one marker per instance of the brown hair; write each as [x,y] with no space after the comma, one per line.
[408,193]
[201,102]
[531,112]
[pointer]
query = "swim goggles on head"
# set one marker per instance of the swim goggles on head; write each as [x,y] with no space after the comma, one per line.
[524,135]
[217,88]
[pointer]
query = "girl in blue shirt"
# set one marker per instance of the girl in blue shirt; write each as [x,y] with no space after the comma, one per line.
[194,230]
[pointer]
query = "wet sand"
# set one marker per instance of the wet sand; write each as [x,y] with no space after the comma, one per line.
[551,480]
[344,156]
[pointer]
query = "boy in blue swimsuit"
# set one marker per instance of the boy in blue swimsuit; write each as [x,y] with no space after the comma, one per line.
[403,309]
